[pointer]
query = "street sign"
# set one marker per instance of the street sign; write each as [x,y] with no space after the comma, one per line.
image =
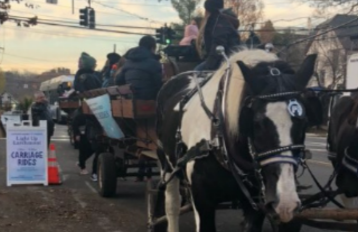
[101,108]
[26,153]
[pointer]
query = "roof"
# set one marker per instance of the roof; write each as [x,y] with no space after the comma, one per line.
[344,32]
[55,82]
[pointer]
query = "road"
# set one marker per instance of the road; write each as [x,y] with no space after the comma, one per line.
[76,206]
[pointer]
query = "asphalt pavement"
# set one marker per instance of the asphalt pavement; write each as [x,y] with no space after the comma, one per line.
[126,212]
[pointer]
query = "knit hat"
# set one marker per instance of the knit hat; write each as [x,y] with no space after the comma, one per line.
[213,5]
[87,61]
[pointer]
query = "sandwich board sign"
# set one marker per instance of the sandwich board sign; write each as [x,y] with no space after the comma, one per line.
[26,153]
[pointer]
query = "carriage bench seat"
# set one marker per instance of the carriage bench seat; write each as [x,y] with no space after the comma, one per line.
[68,103]
[128,108]
[122,90]
[132,108]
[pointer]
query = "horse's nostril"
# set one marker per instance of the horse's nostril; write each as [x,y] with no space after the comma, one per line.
[298,205]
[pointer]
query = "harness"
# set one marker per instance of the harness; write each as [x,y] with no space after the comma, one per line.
[349,162]
[219,142]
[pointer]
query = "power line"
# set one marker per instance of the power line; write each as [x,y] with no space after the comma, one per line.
[18,18]
[130,13]
[32,58]
[319,34]
[71,35]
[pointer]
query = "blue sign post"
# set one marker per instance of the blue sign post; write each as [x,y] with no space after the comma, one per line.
[101,108]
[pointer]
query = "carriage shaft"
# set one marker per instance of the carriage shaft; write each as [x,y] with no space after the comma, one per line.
[333,214]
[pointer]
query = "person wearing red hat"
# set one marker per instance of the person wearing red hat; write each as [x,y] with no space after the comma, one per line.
[219,28]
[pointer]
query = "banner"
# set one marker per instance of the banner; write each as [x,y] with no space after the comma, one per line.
[101,108]
[26,153]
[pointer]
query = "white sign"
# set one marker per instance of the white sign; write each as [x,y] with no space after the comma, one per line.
[26,153]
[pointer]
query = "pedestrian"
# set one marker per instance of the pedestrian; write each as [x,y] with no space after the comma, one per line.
[219,28]
[81,140]
[40,110]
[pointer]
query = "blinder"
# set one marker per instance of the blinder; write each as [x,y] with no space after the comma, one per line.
[246,126]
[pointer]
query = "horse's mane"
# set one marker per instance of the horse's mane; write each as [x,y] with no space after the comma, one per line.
[251,58]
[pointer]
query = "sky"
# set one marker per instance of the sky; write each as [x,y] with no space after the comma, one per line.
[42,47]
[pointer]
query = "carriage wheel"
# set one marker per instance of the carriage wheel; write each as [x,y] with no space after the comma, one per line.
[107,176]
[155,206]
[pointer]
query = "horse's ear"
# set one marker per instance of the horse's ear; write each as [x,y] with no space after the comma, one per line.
[306,70]
[246,72]
[249,77]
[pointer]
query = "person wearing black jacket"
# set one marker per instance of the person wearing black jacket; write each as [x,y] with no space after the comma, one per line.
[218,28]
[142,70]
[40,110]
[86,77]
[112,58]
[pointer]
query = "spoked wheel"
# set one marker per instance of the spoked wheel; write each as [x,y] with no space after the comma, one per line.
[107,177]
[155,207]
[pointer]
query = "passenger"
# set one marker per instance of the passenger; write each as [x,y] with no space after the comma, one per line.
[142,70]
[116,69]
[86,77]
[190,34]
[112,58]
[219,27]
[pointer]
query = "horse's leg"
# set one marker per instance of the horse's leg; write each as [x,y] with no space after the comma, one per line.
[204,211]
[172,203]
[253,220]
[203,205]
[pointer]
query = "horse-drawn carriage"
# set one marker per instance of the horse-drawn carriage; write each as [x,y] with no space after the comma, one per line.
[270,130]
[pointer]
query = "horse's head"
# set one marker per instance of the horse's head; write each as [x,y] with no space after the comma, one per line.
[273,120]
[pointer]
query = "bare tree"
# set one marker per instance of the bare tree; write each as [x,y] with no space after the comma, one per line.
[186,9]
[267,32]
[248,11]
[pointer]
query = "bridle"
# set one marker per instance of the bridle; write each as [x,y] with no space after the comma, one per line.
[274,156]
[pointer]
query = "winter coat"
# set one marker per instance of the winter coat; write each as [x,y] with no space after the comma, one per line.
[191,33]
[143,72]
[220,29]
[86,79]
[41,111]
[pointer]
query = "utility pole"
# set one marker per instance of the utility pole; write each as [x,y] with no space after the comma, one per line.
[114,48]
[73,6]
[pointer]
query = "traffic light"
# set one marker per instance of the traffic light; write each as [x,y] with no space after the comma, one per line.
[160,35]
[169,35]
[92,18]
[84,17]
